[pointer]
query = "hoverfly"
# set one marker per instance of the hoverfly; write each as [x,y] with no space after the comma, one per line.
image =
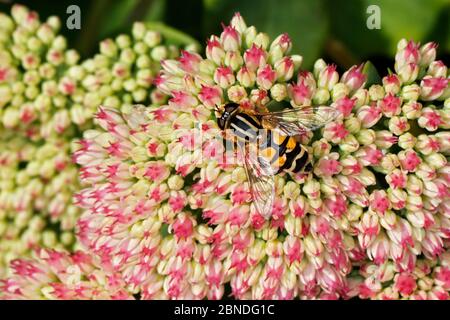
[267,143]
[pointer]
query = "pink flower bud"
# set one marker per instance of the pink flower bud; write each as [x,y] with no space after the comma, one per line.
[408,52]
[298,207]
[369,155]
[391,84]
[438,293]
[378,250]
[177,201]
[237,93]
[433,88]
[328,165]
[398,125]
[369,228]
[348,145]
[283,42]
[405,284]
[233,59]
[430,119]
[436,160]
[182,100]
[369,115]
[408,73]
[350,166]
[266,76]
[385,139]
[215,51]
[189,61]
[354,78]
[336,205]
[432,245]
[210,96]
[388,163]
[238,22]
[259,97]
[414,185]
[437,69]
[224,77]
[293,249]
[321,148]
[390,105]
[254,58]
[409,160]
[442,277]
[156,171]
[397,198]
[425,171]
[246,77]
[412,109]
[27,113]
[230,38]
[379,202]
[345,105]
[414,203]
[428,53]
[401,234]
[335,132]
[300,93]
[328,77]
[397,179]
[284,69]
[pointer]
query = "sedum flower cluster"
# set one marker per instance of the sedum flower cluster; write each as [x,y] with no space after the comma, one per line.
[47,99]
[59,275]
[37,176]
[120,74]
[166,215]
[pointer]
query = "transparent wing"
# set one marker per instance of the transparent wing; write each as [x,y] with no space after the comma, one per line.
[298,120]
[261,179]
[136,115]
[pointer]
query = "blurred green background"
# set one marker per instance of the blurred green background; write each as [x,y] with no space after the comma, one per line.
[332,29]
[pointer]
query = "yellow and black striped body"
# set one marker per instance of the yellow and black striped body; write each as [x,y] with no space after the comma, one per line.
[284,153]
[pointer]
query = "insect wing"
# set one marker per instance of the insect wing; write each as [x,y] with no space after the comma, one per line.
[261,179]
[299,120]
[137,115]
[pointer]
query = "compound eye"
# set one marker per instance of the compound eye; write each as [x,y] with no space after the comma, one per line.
[230,107]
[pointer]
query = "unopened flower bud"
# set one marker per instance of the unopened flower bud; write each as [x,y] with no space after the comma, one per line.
[279,92]
[411,92]
[354,78]
[391,84]
[407,141]
[427,53]
[412,109]
[408,73]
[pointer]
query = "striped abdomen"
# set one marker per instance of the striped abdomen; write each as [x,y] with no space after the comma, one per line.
[283,152]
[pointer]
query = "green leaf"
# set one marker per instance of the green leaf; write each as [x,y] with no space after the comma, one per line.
[116,17]
[410,19]
[173,36]
[304,21]
[157,11]
[371,73]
